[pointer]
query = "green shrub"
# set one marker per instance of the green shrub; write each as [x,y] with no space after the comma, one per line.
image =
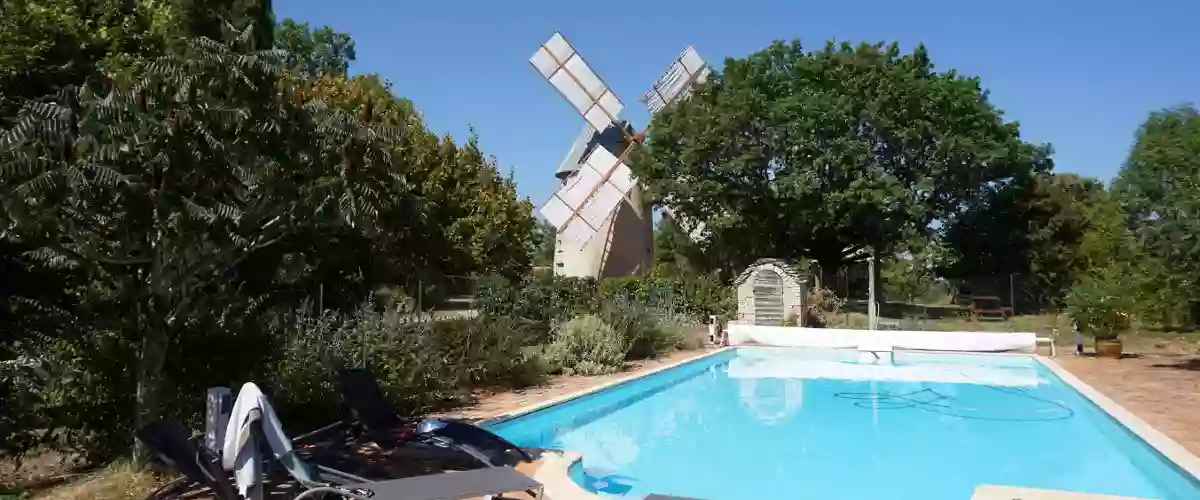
[539,302]
[422,365]
[585,345]
[673,333]
[302,380]
[653,292]
[1102,304]
[534,366]
[488,350]
[695,296]
[636,326]
[706,295]
[822,308]
[80,384]
[648,332]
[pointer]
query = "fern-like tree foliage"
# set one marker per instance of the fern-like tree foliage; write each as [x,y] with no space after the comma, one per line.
[176,192]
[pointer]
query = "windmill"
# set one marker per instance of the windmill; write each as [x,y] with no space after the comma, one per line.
[604,227]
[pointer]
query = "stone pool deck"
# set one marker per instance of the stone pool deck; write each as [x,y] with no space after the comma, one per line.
[496,404]
[1162,389]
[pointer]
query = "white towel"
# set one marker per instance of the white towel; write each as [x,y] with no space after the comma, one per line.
[239,452]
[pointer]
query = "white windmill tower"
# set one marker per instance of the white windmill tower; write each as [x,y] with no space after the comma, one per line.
[604,227]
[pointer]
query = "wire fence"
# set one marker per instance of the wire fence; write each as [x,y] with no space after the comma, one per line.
[920,301]
[907,301]
[432,308]
[467,296]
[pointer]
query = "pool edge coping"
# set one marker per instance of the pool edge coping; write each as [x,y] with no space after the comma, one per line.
[555,476]
[1159,441]
[533,407]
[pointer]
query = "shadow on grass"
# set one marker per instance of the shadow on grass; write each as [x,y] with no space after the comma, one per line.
[1126,355]
[899,310]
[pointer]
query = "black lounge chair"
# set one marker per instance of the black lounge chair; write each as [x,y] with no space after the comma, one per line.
[171,443]
[377,422]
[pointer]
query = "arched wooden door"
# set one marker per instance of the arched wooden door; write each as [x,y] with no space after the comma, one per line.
[768,298]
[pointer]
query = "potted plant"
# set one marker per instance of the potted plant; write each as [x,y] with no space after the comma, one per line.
[1101,307]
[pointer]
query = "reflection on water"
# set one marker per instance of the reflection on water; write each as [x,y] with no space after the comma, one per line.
[611,445]
[604,445]
[771,400]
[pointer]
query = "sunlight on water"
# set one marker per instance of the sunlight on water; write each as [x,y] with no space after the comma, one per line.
[817,424]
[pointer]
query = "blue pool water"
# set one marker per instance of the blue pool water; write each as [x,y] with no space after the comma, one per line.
[821,424]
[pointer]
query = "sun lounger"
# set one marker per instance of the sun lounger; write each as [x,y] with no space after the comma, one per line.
[170,442]
[465,484]
[363,398]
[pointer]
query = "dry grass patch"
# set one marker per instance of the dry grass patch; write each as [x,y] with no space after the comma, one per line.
[119,481]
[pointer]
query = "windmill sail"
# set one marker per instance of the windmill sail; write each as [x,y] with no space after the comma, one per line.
[567,72]
[604,227]
[676,83]
[588,199]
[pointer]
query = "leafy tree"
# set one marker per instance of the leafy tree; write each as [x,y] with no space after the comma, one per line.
[167,203]
[674,249]
[1113,251]
[211,18]
[45,47]
[477,222]
[544,234]
[910,275]
[1034,228]
[171,192]
[1160,187]
[1102,304]
[314,51]
[790,153]
[48,44]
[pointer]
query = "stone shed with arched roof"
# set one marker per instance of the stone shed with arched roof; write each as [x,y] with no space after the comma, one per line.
[769,291]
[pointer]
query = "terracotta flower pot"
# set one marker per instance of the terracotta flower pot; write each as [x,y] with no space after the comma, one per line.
[1110,348]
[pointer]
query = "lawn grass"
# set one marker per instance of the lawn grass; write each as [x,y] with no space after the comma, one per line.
[1142,340]
[1042,324]
[118,481]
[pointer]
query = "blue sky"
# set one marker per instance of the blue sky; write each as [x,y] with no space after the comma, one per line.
[1079,74]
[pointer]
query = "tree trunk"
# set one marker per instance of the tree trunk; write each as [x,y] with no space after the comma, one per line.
[880,297]
[153,325]
[149,385]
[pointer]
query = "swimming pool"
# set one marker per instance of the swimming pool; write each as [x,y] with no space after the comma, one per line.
[759,423]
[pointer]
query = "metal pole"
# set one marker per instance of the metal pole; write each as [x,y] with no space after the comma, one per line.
[1012,301]
[872,309]
[218,403]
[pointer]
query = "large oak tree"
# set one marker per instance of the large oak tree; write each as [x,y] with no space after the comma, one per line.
[1160,186]
[1029,235]
[790,153]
